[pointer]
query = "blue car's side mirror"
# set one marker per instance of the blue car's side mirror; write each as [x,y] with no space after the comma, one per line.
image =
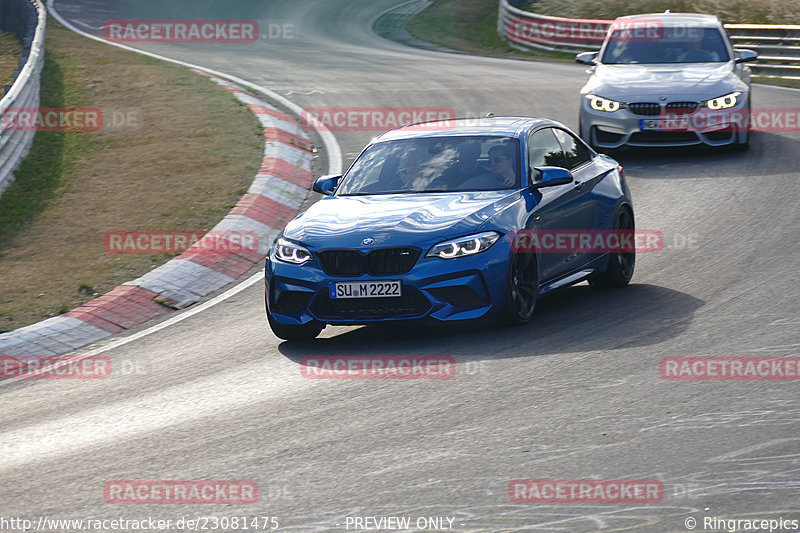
[551,176]
[326,184]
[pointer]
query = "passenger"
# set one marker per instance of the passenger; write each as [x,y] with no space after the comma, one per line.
[416,175]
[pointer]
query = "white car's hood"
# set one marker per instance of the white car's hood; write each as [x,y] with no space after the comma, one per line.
[676,82]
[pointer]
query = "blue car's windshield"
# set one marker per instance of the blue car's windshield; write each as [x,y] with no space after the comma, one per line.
[434,164]
[666,45]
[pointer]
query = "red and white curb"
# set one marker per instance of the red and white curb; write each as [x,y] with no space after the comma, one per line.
[274,198]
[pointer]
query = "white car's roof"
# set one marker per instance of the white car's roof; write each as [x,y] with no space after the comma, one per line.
[675,19]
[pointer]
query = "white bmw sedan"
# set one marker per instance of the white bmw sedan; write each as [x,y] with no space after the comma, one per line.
[667,79]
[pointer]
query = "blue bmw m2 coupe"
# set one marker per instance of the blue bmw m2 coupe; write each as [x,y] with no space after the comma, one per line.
[423,225]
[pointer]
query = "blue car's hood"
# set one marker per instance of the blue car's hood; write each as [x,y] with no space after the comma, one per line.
[392,219]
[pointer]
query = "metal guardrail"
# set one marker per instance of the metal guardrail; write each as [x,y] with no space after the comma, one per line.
[26,19]
[778,46]
[529,31]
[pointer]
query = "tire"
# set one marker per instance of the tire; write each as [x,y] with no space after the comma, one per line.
[738,146]
[306,332]
[588,140]
[522,291]
[620,267]
[585,138]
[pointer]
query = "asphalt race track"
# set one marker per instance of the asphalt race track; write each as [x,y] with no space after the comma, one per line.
[576,394]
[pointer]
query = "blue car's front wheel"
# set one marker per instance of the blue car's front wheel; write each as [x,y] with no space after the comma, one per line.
[523,289]
[619,271]
[294,333]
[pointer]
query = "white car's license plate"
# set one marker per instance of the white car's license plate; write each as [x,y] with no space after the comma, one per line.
[664,124]
[365,289]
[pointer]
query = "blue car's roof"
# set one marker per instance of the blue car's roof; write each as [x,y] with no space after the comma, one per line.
[495,126]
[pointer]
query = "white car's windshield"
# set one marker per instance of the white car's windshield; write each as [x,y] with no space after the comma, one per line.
[666,45]
[435,164]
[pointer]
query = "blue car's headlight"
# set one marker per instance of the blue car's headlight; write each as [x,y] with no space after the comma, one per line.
[599,103]
[723,102]
[470,245]
[289,252]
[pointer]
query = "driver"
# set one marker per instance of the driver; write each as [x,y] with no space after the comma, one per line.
[501,174]
[696,51]
[502,165]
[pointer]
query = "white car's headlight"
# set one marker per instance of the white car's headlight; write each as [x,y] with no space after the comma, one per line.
[723,102]
[289,252]
[599,103]
[463,246]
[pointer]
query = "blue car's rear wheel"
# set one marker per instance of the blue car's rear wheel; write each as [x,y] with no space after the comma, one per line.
[619,271]
[523,289]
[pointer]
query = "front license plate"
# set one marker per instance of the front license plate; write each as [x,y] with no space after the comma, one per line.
[365,289]
[664,124]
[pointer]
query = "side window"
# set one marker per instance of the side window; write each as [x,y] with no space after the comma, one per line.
[544,150]
[577,153]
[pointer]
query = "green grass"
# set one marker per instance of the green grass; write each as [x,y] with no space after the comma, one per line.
[778,81]
[177,165]
[52,156]
[10,51]
[469,26]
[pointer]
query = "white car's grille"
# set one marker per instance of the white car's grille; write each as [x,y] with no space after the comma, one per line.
[682,108]
[645,108]
[651,109]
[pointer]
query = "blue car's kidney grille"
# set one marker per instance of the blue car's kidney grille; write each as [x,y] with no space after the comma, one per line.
[380,262]
[411,304]
[342,262]
[645,108]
